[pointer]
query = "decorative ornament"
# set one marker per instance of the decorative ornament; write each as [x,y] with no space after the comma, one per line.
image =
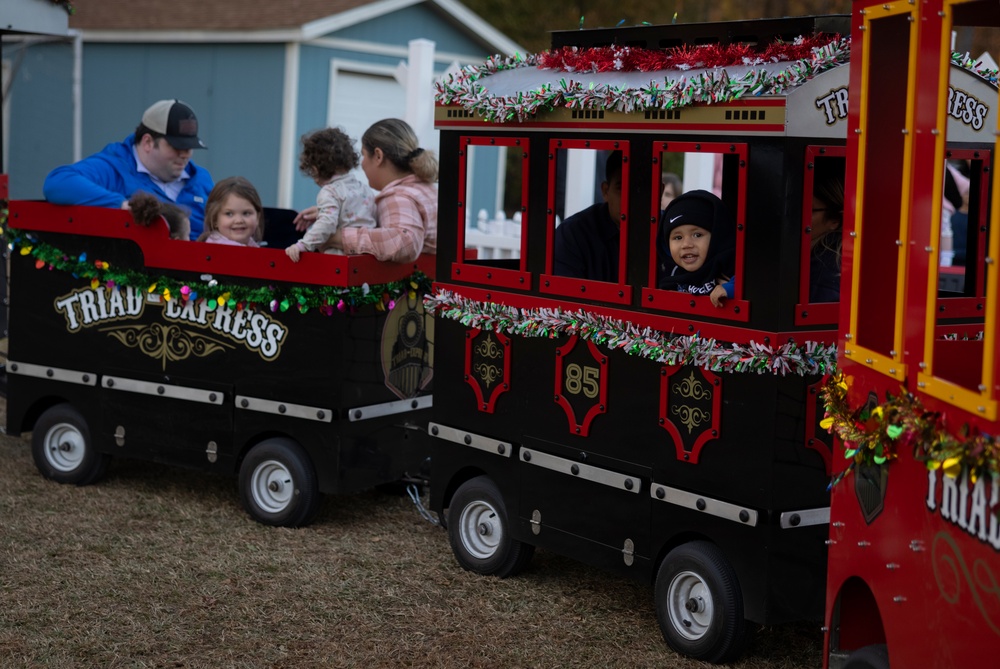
[875,436]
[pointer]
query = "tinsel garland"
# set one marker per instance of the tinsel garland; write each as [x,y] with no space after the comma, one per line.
[684,57]
[975,66]
[326,299]
[875,436]
[712,86]
[809,358]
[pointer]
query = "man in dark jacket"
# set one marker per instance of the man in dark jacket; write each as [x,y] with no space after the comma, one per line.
[587,243]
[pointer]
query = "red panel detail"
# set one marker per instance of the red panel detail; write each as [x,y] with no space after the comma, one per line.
[700,305]
[586,289]
[581,427]
[486,405]
[510,279]
[160,251]
[711,430]
[817,439]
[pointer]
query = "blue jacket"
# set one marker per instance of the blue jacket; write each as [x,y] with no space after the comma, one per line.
[108,178]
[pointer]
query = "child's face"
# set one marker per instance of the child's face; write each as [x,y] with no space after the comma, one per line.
[689,246]
[237,219]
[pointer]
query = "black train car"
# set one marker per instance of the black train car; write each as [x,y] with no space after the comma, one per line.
[301,379]
[638,429]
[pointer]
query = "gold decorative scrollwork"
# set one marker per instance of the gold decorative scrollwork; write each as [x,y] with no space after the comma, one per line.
[487,373]
[165,343]
[692,388]
[691,417]
[488,348]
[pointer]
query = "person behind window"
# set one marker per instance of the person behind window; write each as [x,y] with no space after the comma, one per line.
[670,187]
[328,157]
[826,231]
[586,244]
[955,209]
[698,247]
[155,159]
[234,214]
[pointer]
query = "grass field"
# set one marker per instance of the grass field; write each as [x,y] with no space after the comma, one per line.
[160,567]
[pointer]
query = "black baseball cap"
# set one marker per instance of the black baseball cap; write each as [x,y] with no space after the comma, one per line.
[176,122]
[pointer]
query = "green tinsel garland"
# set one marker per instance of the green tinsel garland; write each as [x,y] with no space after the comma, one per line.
[875,435]
[808,359]
[326,299]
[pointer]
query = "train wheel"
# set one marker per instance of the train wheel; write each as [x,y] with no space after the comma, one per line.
[63,450]
[278,484]
[699,603]
[868,657]
[479,531]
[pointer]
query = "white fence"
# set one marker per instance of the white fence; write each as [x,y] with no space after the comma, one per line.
[496,238]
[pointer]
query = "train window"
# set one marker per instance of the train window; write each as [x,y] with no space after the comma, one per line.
[587,220]
[822,235]
[959,364]
[715,167]
[883,205]
[492,211]
[963,234]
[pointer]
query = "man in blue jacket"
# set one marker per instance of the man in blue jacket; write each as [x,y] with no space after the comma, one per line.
[155,159]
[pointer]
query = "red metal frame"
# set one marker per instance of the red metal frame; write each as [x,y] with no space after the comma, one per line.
[487,405]
[711,431]
[736,309]
[499,276]
[581,428]
[620,292]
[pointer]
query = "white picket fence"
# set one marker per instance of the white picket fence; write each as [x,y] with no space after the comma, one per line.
[495,238]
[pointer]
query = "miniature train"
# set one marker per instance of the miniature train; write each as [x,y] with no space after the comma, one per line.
[638,429]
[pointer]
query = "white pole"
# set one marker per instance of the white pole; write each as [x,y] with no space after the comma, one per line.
[419,86]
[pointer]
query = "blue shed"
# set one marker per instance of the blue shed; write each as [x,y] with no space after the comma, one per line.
[258,73]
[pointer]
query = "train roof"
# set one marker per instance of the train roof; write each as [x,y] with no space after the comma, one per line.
[774,76]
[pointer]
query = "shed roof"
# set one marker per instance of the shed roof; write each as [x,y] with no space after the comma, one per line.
[205,14]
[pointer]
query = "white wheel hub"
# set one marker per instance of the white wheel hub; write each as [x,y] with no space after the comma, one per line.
[65,447]
[690,606]
[272,486]
[480,529]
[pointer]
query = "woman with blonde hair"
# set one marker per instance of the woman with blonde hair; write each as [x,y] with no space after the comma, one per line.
[406,205]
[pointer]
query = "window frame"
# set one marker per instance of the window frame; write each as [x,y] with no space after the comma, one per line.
[564,286]
[734,309]
[467,269]
[806,312]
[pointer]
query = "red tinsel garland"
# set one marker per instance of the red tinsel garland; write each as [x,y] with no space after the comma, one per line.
[631,59]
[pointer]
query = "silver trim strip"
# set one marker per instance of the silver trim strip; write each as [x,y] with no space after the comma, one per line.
[582,471]
[284,409]
[806,517]
[163,390]
[501,448]
[390,408]
[53,373]
[695,502]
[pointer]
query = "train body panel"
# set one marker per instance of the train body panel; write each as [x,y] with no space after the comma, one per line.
[199,381]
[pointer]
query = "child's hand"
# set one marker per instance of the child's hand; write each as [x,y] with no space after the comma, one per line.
[718,296]
[305,218]
[293,252]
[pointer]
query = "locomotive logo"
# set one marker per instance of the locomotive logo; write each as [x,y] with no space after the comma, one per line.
[408,347]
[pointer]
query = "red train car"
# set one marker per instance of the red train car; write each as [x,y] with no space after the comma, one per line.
[914,548]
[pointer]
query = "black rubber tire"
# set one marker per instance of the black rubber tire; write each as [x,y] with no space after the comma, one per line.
[278,484]
[875,656]
[63,450]
[699,604]
[479,531]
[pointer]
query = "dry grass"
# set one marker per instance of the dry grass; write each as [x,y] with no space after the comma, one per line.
[159,567]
